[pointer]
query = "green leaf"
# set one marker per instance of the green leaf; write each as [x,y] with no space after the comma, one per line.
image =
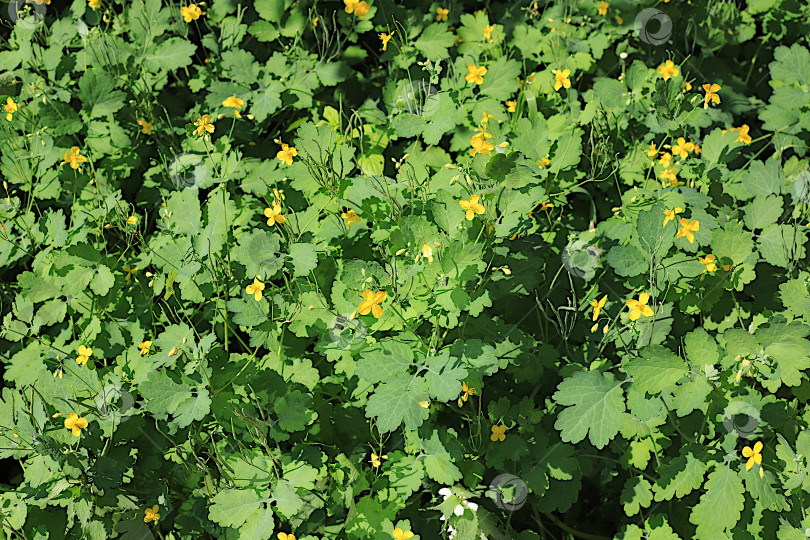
[636,495]
[266,100]
[782,244]
[258,526]
[98,94]
[232,507]
[733,242]
[247,311]
[500,80]
[719,508]
[444,377]
[287,500]
[438,463]
[679,477]
[171,55]
[384,360]
[653,236]
[595,407]
[657,369]
[397,401]
[627,261]
[304,259]
[258,253]
[763,210]
[786,343]
[434,41]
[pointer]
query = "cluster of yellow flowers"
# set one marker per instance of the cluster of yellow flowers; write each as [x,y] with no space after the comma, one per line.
[681,148]
[687,229]
[479,142]
[10,108]
[359,9]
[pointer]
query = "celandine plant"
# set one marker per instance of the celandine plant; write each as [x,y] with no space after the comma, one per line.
[299,270]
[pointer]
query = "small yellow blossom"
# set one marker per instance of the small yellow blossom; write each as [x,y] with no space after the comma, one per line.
[204,125]
[285,536]
[234,102]
[350,217]
[144,346]
[424,404]
[426,252]
[652,152]
[132,220]
[688,229]
[75,424]
[74,157]
[95,4]
[639,307]
[286,154]
[597,306]
[146,127]
[498,433]
[385,38]
[671,176]
[711,94]
[561,79]
[475,74]
[273,215]
[603,7]
[84,355]
[256,288]
[743,135]
[10,108]
[190,12]
[441,14]
[480,144]
[545,162]
[511,106]
[129,271]
[466,392]
[682,147]
[754,456]
[666,160]
[471,207]
[545,205]
[358,8]
[708,262]
[488,31]
[399,534]
[370,303]
[670,214]
[376,460]
[151,514]
[668,70]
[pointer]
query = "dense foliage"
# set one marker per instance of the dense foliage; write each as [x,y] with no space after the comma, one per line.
[303,269]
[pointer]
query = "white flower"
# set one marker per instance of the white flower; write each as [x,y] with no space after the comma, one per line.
[445,492]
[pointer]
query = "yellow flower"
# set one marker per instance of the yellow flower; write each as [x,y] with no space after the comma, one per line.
[466,392]
[698,150]
[480,144]
[472,207]
[10,108]
[132,220]
[376,460]
[686,85]
[204,124]
[668,69]
[545,162]
[358,8]
[708,262]
[688,229]
[278,195]
[144,347]
[146,127]
[603,7]
[191,12]
[399,534]
[274,215]
[652,152]
[441,14]
[424,404]
[488,31]
[682,147]
[95,4]
[639,307]
[350,217]
[670,214]
[743,135]
[84,355]
[475,74]
[545,205]
[76,424]
[561,79]
[385,38]
[711,94]
[370,303]
[666,159]
[234,103]
[670,175]
[498,433]
[255,289]
[151,514]
[754,456]
[597,306]
[427,253]
[511,106]
[129,271]
[286,154]
[74,158]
